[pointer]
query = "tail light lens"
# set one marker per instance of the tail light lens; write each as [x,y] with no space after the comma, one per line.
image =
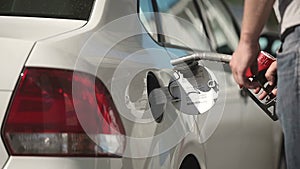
[62,113]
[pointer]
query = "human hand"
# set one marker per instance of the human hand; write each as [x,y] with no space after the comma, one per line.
[271,76]
[244,57]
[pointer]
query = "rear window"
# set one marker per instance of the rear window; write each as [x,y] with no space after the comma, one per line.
[68,9]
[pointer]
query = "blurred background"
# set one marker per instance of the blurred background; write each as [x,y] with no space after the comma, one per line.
[236,7]
[270,39]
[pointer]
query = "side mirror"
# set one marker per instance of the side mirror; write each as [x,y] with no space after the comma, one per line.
[270,42]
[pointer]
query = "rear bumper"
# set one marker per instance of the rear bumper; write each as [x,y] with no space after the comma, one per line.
[63,163]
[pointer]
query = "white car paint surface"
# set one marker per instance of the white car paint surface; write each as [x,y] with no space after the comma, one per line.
[113,46]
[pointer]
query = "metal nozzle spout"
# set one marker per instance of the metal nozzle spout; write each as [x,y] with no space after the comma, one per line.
[202,56]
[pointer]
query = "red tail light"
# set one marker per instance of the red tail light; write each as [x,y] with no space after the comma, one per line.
[62,113]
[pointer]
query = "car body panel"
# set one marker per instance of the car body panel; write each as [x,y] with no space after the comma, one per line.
[4,102]
[260,134]
[11,68]
[245,135]
[33,29]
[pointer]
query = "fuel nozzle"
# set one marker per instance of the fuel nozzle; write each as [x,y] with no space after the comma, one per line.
[264,61]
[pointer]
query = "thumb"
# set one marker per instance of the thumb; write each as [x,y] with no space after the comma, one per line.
[271,73]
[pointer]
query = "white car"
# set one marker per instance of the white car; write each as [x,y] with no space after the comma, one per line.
[90,84]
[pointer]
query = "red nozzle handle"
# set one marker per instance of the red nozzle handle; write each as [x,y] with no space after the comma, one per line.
[264,60]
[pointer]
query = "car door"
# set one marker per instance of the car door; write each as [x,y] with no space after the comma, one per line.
[259,135]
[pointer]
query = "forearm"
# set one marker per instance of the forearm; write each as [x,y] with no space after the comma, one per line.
[256,14]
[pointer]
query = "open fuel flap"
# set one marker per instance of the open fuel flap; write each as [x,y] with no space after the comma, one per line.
[193,90]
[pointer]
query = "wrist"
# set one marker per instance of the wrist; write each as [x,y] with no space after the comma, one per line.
[249,38]
[250,44]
